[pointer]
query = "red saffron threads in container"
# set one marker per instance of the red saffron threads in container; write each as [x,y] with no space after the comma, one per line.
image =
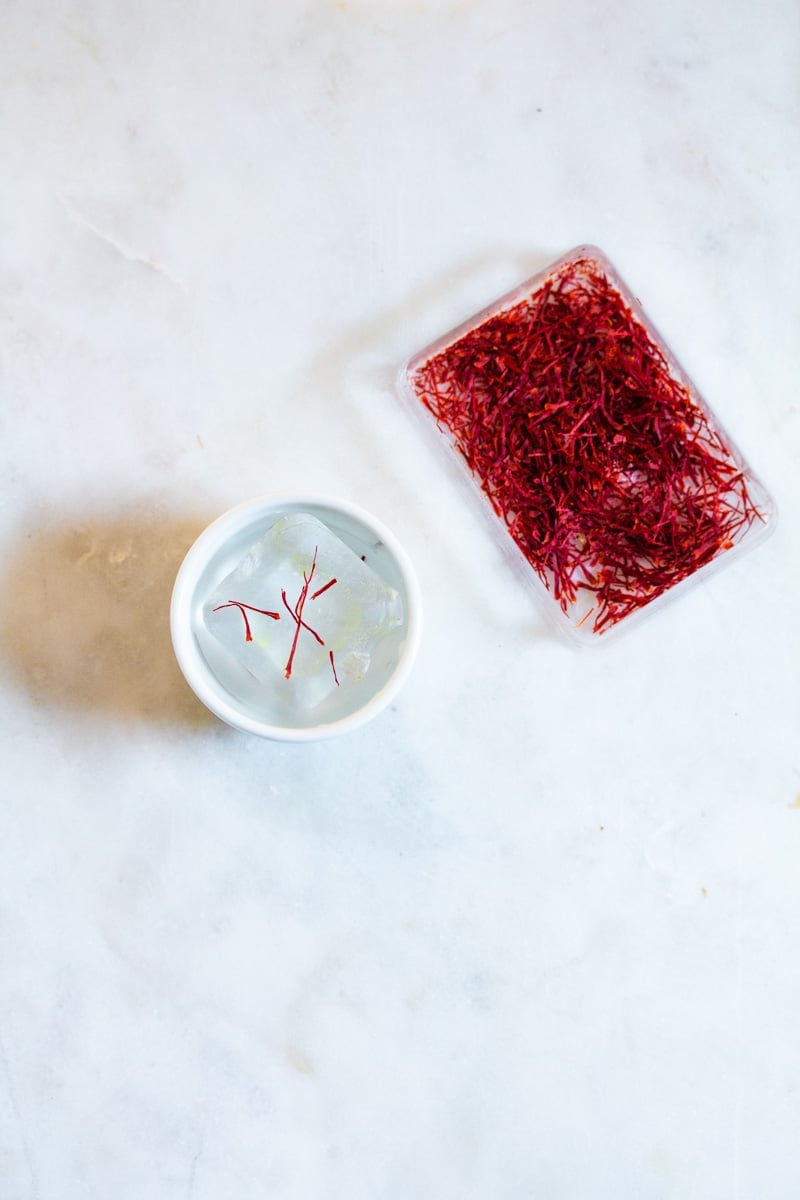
[609,472]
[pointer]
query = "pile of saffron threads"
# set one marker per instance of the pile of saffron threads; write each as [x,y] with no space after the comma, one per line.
[607,471]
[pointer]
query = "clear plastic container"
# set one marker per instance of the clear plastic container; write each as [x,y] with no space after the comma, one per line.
[610,480]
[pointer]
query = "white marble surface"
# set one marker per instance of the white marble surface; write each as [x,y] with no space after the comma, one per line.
[534,932]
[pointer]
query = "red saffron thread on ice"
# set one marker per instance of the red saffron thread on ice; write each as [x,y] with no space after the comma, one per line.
[296,613]
[295,617]
[324,588]
[607,471]
[248,634]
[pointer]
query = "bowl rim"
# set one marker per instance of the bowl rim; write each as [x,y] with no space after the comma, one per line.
[192,661]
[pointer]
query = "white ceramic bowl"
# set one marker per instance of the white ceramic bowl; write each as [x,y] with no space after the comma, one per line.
[225,687]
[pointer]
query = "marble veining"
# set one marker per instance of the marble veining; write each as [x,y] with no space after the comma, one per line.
[532,932]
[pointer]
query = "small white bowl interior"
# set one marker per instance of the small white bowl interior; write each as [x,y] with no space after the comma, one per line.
[227,688]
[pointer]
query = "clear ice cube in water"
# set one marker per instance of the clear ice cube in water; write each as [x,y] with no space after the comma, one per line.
[285,573]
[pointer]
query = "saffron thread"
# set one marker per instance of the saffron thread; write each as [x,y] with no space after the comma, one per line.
[248,634]
[296,613]
[604,465]
[324,588]
[295,617]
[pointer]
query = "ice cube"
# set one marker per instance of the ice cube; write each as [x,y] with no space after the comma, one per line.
[302,612]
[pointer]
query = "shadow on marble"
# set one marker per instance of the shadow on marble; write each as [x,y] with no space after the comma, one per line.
[85,617]
[359,374]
